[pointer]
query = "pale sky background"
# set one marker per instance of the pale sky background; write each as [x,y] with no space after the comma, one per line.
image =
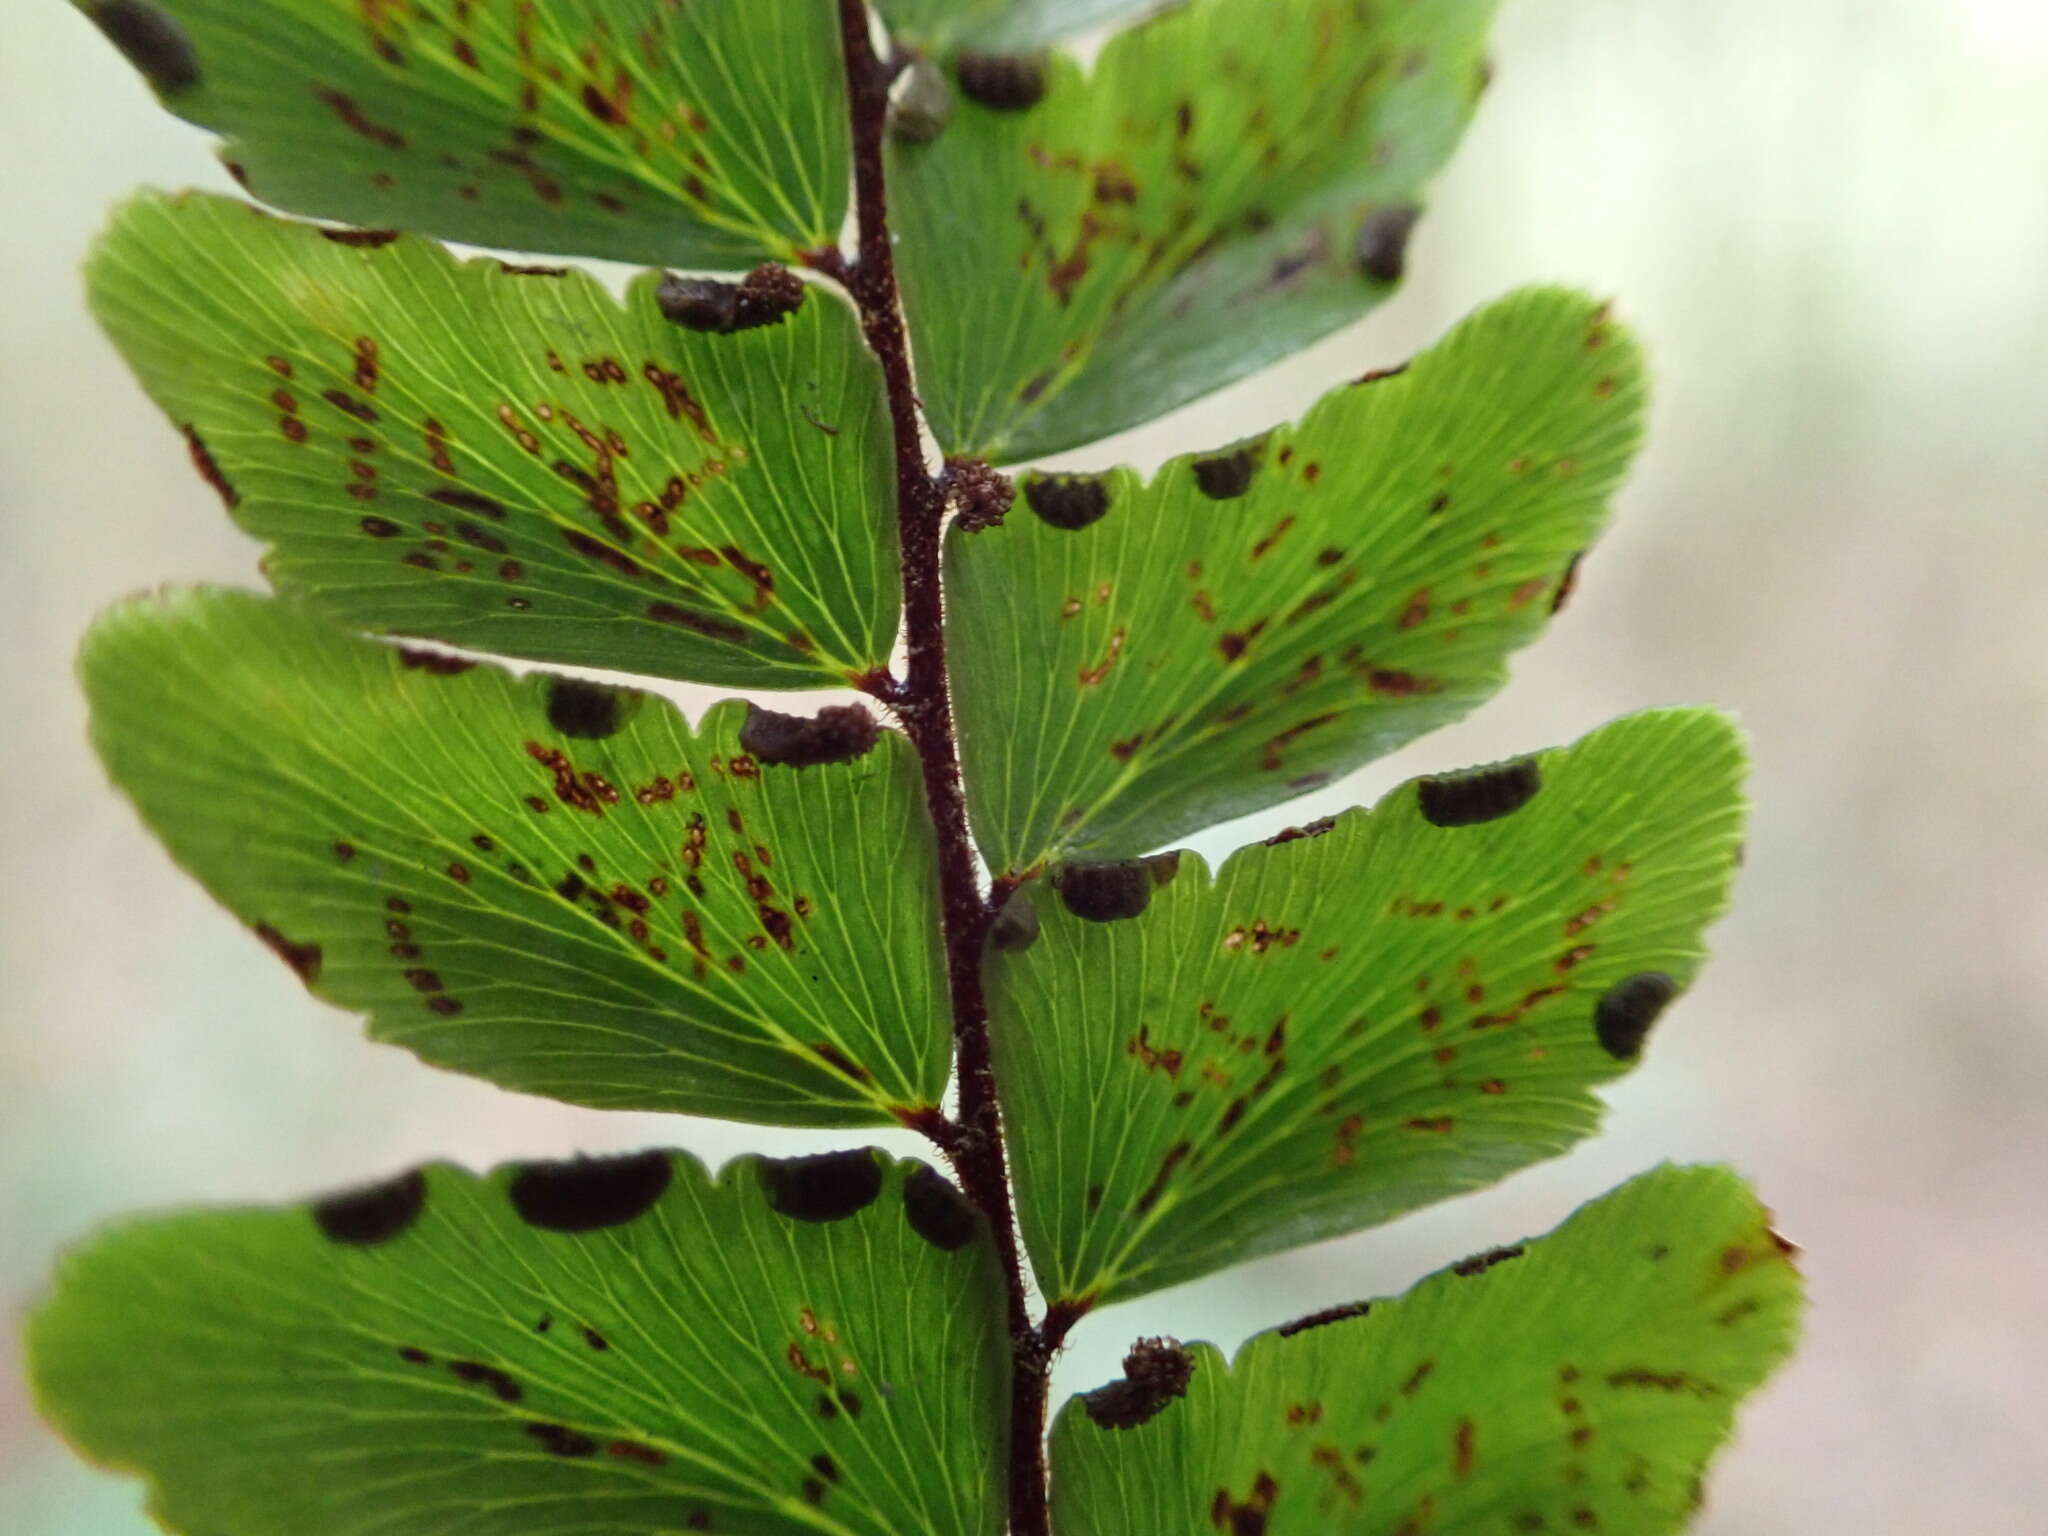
[1829,218]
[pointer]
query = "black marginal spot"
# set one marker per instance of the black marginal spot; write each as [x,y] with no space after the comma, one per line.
[768,295]
[1070,502]
[838,733]
[1626,1010]
[360,239]
[1225,477]
[373,1214]
[1467,799]
[586,1193]
[1382,246]
[560,1440]
[1567,584]
[828,1187]
[1324,1318]
[304,959]
[1480,1263]
[588,711]
[1156,1371]
[1105,893]
[434,663]
[1002,82]
[209,469]
[938,1212]
[151,41]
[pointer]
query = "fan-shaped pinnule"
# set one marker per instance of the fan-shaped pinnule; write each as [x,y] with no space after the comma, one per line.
[1358,1017]
[508,459]
[1229,181]
[1580,1381]
[1144,658]
[626,1333]
[556,886]
[712,135]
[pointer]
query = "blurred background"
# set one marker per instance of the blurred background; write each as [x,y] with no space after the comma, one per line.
[1830,220]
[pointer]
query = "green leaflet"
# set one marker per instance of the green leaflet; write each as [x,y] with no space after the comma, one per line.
[1230,181]
[994,24]
[1579,1384]
[711,135]
[624,1346]
[1255,622]
[510,461]
[1397,1007]
[553,885]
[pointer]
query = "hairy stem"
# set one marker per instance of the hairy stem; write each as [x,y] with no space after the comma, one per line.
[921,700]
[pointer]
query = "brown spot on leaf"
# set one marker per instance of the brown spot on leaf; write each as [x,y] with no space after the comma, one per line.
[468,501]
[1250,1517]
[1175,1156]
[352,116]
[705,624]
[475,1373]
[560,1440]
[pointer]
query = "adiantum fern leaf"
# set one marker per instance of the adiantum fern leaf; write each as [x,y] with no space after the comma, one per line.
[948,901]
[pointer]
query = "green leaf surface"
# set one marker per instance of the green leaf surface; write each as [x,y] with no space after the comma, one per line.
[1231,181]
[710,135]
[1257,621]
[511,461]
[547,883]
[1580,1383]
[620,1346]
[985,25]
[1389,1009]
